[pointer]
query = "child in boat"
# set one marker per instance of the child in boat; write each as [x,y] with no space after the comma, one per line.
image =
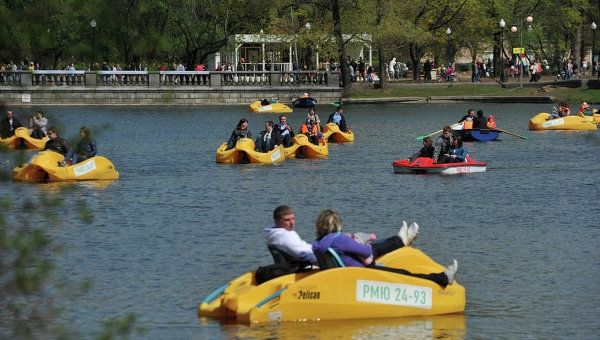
[562,111]
[426,150]
[491,123]
[353,254]
[584,109]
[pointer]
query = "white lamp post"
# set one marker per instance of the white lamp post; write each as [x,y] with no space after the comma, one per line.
[448,32]
[593,27]
[514,29]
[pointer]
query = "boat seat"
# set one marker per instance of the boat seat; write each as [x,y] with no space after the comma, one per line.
[329,259]
[280,256]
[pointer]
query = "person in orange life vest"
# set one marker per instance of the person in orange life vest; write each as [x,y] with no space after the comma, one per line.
[583,109]
[311,130]
[491,122]
[562,111]
[467,119]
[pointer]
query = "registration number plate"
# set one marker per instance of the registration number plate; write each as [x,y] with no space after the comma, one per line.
[393,294]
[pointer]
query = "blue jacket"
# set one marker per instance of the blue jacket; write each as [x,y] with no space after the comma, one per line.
[460,153]
[348,249]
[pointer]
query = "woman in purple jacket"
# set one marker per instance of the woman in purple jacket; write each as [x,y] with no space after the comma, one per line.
[355,254]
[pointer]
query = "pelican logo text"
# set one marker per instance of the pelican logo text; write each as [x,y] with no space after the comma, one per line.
[308,295]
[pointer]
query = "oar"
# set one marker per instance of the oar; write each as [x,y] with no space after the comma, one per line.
[420,138]
[510,133]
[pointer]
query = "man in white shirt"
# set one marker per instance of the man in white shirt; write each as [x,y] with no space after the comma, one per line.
[283,236]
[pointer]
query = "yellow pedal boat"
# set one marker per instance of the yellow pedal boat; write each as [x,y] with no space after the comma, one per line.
[22,137]
[302,147]
[244,152]
[573,122]
[271,108]
[333,134]
[44,166]
[338,293]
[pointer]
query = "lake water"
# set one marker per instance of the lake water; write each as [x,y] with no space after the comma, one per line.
[176,225]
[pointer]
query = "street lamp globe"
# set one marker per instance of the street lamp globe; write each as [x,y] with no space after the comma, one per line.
[513,29]
[502,23]
[594,25]
[307,25]
[448,31]
[93,23]
[529,19]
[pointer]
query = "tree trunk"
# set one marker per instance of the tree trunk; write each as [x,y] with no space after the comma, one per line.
[577,48]
[415,58]
[337,33]
[380,52]
[496,56]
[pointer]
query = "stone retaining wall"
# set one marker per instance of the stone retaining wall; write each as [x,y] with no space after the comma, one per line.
[181,95]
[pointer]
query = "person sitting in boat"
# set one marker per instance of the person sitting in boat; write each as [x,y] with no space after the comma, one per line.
[311,130]
[284,237]
[562,111]
[267,139]
[241,131]
[265,102]
[441,146]
[338,118]
[426,150]
[467,119]
[55,143]
[312,117]
[458,151]
[584,109]
[354,254]
[304,95]
[285,130]
[491,122]
[8,125]
[38,124]
[86,148]
[480,122]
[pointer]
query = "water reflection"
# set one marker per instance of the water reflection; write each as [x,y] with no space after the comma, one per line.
[451,326]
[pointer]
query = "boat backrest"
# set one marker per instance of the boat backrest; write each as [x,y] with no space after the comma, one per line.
[280,256]
[328,259]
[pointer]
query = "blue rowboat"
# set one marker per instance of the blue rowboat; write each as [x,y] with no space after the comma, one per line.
[477,135]
[304,103]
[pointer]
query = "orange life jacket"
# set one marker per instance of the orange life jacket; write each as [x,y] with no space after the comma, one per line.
[467,124]
[491,123]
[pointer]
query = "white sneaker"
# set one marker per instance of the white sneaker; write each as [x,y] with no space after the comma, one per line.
[403,233]
[450,271]
[413,232]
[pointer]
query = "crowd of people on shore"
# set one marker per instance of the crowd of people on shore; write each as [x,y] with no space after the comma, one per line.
[39,129]
[282,133]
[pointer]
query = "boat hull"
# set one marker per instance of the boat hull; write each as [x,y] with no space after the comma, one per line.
[244,152]
[304,103]
[340,293]
[22,139]
[44,167]
[333,134]
[477,135]
[424,165]
[303,148]
[271,108]
[577,123]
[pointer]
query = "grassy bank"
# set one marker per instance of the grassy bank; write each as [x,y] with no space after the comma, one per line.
[569,95]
